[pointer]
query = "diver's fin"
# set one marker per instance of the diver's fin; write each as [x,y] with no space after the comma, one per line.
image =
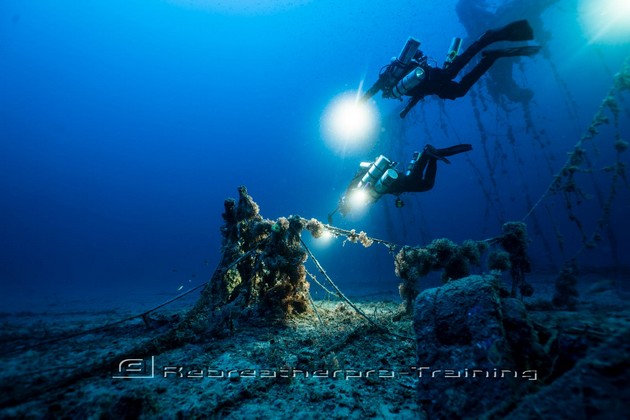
[440,154]
[511,52]
[454,150]
[519,30]
[432,152]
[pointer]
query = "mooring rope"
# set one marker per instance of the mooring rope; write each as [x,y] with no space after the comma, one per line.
[142,315]
[353,236]
[350,234]
[590,134]
[310,298]
[348,301]
[312,276]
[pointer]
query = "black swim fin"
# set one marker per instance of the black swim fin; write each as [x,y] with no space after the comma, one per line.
[519,30]
[511,52]
[440,154]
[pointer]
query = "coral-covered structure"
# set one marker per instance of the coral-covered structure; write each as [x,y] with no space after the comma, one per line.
[412,263]
[260,278]
[566,293]
[514,242]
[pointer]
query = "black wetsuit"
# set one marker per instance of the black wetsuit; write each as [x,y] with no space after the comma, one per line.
[421,178]
[421,175]
[439,81]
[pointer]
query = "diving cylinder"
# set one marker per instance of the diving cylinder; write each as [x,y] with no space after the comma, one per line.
[386,180]
[377,169]
[409,82]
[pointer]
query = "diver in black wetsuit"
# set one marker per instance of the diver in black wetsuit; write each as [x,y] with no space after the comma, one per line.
[411,75]
[380,177]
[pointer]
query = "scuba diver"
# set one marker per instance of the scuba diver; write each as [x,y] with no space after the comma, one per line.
[409,74]
[374,179]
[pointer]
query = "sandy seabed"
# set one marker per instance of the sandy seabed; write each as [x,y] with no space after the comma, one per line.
[328,364]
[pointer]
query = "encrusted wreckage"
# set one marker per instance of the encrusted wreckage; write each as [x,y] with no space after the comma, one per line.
[510,253]
[261,273]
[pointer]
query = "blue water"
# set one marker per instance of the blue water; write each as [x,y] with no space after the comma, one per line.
[125,124]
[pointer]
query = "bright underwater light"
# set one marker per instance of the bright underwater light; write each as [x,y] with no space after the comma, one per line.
[326,237]
[349,124]
[325,240]
[606,21]
[359,198]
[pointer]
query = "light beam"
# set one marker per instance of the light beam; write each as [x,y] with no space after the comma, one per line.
[349,124]
[605,21]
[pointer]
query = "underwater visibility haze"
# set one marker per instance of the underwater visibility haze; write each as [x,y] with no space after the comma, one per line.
[125,125]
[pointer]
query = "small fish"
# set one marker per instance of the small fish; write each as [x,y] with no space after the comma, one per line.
[180,287]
